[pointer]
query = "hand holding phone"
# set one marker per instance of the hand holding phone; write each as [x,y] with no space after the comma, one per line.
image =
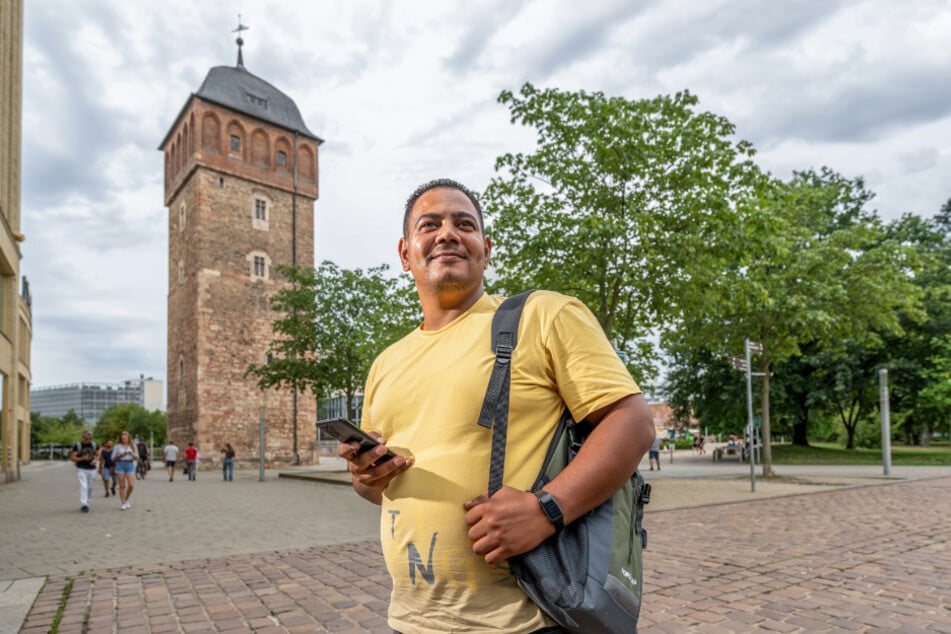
[346,432]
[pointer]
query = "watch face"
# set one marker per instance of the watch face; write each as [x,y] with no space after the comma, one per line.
[551,509]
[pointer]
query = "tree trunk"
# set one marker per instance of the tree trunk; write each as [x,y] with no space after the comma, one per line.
[799,436]
[767,445]
[926,435]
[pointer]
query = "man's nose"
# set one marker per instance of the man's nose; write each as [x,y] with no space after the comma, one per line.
[447,233]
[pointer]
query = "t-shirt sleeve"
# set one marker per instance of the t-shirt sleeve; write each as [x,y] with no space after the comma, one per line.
[588,371]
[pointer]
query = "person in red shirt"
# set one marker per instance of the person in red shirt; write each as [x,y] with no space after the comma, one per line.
[191,459]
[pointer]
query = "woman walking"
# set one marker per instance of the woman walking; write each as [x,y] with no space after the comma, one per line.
[107,467]
[125,455]
[227,466]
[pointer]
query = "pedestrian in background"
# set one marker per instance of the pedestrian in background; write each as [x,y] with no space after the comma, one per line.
[84,457]
[227,465]
[107,467]
[170,453]
[191,460]
[653,454]
[124,455]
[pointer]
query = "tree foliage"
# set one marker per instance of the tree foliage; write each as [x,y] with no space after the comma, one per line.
[332,324]
[133,418]
[625,204]
[826,273]
[63,431]
[915,359]
[359,314]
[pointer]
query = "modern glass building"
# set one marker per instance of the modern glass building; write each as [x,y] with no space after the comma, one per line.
[90,400]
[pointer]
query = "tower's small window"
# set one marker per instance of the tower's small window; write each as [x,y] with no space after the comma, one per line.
[260,266]
[282,158]
[181,271]
[235,143]
[221,182]
[260,209]
[181,217]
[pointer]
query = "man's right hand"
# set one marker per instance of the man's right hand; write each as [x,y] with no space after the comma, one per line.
[370,479]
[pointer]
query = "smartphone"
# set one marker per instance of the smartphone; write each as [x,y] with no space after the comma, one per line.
[345,431]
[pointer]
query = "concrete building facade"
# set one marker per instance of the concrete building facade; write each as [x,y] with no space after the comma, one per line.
[90,400]
[16,321]
[240,185]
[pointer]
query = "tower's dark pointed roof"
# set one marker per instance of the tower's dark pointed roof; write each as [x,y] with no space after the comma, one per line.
[236,88]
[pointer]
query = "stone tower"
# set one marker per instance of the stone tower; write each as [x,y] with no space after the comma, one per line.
[240,184]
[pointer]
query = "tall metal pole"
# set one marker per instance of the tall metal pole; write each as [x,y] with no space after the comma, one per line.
[294,264]
[261,446]
[886,424]
[749,413]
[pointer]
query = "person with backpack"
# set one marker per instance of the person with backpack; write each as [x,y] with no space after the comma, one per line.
[446,542]
[107,467]
[85,455]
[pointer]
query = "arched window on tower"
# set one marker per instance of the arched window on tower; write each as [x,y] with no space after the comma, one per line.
[181,217]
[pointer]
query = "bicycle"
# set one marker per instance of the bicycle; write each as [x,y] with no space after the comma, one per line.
[140,469]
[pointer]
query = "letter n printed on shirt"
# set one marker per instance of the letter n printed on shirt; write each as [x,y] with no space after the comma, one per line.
[416,563]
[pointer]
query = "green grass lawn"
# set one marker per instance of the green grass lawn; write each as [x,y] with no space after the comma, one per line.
[833,454]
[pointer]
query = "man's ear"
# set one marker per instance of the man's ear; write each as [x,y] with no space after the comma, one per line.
[403,249]
[488,250]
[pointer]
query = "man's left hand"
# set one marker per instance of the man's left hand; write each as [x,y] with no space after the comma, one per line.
[509,523]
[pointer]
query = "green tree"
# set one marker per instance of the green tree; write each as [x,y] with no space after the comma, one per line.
[914,358]
[333,322]
[359,314]
[67,430]
[935,396]
[825,274]
[705,386]
[626,204]
[133,418]
[292,354]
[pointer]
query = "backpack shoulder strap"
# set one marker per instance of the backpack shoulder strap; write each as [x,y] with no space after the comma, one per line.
[495,405]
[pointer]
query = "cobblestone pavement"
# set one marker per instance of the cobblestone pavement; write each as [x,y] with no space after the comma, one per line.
[873,558]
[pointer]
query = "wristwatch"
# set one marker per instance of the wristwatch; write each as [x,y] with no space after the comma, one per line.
[551,509]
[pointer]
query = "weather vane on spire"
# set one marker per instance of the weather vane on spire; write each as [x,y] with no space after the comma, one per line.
[240,40]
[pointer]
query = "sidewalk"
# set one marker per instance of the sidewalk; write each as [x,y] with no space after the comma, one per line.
[858,552]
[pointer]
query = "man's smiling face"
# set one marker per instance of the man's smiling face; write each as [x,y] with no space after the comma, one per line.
[444,247]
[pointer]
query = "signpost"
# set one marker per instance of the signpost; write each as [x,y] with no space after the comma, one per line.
[748,347]
[886,424]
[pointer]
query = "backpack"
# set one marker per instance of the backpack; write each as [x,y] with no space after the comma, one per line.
[88,453]
[588,575]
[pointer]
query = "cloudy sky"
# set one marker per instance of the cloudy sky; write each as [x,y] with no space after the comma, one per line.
[406,91]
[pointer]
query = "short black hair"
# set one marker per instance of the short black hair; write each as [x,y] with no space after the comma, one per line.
[435,184]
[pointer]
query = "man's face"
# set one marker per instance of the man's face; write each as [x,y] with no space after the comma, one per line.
[445,248]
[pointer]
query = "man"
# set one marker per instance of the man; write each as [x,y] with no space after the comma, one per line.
[653,455]
[84,456]
[170,454]
[107,467]
[446,543]
[143,455]
[191,460]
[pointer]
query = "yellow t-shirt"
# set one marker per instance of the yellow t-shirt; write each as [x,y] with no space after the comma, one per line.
[424,394]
